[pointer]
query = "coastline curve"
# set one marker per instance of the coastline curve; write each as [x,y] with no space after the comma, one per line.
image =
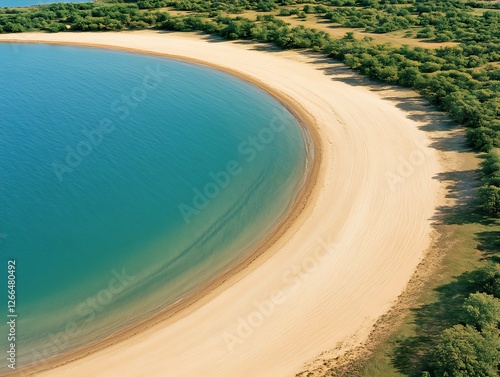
[374,234]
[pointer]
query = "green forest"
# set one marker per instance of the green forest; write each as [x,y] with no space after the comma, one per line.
[461,78]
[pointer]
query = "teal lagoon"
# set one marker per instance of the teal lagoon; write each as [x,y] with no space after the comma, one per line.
[127,183]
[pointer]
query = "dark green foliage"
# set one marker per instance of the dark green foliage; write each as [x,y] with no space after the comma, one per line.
[383,20]
[463,351]
[482,311]
[84,17]
[474,349]
[482,139]
[487,280]
[491,164]
[491,170]
[489,197]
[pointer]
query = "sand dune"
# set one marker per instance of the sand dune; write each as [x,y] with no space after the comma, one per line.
[337,268]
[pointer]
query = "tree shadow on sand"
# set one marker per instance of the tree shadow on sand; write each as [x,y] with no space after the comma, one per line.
[410,353]
[415,106]
[445,136]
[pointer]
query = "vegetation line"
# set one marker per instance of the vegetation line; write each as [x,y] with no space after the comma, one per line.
[462,80]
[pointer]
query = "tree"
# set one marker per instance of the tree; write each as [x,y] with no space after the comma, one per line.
[465,352]
[489,198]
[408,76]
[487,280]
[482,138]
[430,67]
[56,27]
[482,311]
[13,28]
[491,164]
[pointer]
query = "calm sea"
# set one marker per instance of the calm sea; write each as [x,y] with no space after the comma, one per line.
[127,182]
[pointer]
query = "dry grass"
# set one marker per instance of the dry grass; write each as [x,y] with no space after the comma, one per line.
[313,21]
[394,38]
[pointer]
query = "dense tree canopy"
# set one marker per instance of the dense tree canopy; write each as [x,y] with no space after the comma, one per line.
[482,311]
[463,351]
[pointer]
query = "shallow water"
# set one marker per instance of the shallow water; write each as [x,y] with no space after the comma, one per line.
[128,181]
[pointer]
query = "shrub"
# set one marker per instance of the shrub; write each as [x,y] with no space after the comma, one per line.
[481,310]
[489,199]
[463,351]
[482,138]
[487,280]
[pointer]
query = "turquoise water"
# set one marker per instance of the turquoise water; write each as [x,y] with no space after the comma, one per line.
[128,181]
[25,3]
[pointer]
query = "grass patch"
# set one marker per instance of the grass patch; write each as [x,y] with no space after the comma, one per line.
[469,242]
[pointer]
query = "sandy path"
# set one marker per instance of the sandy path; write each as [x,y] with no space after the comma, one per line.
[341,264]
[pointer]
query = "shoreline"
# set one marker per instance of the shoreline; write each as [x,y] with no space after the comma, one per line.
[309,198]
[255,253]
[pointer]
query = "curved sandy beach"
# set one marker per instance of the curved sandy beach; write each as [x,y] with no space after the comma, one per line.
[337,268]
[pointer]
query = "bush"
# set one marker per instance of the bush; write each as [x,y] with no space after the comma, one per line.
[482,311]
[489,199]
[430,67]
[487,280]
[55,28]
[482,139]
[463,351]
[491,164]
[284,12]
